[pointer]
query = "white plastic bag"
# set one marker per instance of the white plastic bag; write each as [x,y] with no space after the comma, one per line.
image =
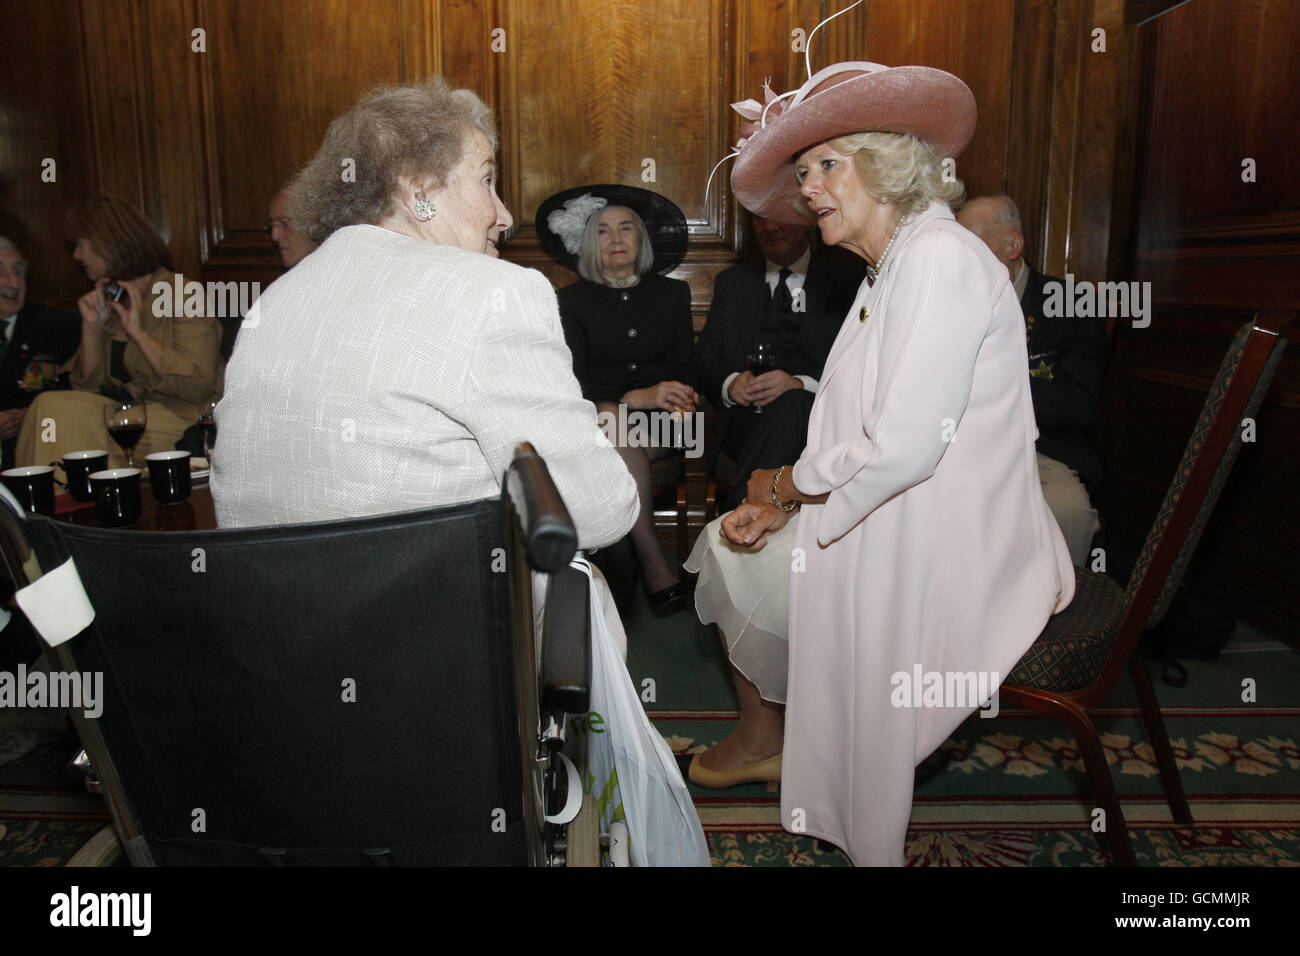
[630,770]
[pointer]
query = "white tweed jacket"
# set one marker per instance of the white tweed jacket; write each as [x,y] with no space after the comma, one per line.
[384,374]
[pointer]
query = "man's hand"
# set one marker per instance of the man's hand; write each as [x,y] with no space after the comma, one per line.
[741,387]
[770,386]
[11,422]
[750,389]
[750,525]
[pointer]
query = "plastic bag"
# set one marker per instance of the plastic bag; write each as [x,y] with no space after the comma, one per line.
[629,768]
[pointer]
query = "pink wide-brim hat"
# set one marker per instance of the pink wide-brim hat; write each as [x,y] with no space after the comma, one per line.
[845,98]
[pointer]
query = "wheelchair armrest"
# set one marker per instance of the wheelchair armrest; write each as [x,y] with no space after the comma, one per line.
[566,644]
[550,540]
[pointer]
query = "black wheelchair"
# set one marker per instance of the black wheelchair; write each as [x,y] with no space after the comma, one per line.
[355,692]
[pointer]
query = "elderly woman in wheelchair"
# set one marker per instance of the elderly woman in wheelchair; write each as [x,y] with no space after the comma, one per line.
[400,364]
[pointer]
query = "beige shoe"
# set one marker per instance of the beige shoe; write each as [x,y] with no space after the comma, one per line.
[765,771]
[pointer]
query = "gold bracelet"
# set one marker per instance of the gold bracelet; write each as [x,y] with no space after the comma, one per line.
[776,498]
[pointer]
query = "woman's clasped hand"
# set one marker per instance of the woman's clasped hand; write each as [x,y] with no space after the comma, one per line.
[668,396]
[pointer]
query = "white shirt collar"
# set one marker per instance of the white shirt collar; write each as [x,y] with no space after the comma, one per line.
[9,326]
[798,272]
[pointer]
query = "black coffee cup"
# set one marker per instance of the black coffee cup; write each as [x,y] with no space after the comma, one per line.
[117,496]
[33,486]
[169,476]
[77,469]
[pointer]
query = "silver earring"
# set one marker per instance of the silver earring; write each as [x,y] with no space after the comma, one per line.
[884,202]
[423,210]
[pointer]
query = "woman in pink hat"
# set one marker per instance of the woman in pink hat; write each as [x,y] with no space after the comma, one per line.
[923,544]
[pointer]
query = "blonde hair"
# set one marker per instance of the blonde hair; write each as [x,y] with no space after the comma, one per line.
[392,132]
[589,265]
[900,169]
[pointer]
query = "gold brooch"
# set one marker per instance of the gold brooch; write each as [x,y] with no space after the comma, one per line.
[864,314]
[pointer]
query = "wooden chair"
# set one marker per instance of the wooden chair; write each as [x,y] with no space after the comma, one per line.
[668,480]
[1075,663]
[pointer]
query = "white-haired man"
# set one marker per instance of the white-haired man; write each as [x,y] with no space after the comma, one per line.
[1067,368]
[292,245]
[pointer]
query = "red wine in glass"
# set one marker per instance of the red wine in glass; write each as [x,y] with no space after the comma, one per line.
[126,423]
[761,358]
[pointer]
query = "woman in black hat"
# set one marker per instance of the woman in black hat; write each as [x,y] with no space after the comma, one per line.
[629,330]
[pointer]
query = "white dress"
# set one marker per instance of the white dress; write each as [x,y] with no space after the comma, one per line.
[747,595]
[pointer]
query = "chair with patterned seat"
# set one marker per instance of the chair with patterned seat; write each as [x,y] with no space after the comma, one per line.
[1075,663]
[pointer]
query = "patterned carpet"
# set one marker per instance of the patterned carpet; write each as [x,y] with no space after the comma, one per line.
[46,815]
[1007,792]
[1011,791]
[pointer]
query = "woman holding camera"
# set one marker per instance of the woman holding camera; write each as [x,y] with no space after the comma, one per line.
[130,350]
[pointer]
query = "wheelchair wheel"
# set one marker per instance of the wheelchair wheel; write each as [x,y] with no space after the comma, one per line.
[584,835]
[618,851]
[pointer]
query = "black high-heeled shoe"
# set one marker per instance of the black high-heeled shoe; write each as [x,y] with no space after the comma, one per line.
[670,600]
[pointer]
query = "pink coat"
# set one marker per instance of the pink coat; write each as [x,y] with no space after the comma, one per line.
[935,546]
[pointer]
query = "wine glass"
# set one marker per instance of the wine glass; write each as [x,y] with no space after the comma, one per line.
[207,426]
[761,358]
[126,422]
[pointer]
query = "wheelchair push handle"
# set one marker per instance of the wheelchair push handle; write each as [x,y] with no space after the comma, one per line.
[550,539]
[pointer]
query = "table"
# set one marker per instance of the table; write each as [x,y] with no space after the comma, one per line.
[196,513]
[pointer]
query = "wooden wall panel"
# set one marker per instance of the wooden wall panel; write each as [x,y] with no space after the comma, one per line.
[172,150]
[305,62]
[1247,106]
[585,90]
[1029,122]
[1215,250]
[970,40]
[603,121]
[36,74]
[112,45]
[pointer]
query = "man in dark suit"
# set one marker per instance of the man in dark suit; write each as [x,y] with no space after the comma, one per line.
[795,299]
[35,342]
[1067,369]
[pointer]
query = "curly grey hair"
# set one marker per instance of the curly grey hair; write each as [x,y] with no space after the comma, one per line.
[392,132]
[589,265]
[900,169]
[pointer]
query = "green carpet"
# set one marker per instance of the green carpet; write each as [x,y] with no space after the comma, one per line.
[1011,791]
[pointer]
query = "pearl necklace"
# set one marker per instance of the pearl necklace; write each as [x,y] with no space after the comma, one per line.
[873,271]
[622,283]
